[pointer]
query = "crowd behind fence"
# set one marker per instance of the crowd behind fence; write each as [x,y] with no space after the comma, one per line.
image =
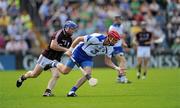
[19,18]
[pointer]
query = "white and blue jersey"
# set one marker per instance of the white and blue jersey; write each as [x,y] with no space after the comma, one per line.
[118,46]
[92,46]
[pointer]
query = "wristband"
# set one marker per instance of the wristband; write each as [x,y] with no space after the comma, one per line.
[71,49]
[88,76]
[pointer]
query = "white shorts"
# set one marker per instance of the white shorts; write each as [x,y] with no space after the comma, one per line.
[143,51]
[43,61]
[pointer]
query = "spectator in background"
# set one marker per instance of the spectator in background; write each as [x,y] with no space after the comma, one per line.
[90,27]
[144,8]
[161,20]
[161,38]
[44,11]
[26,20]
[11,45]
[3,5]
[30,38]
[2,42]
[151,21]
[22,46]
[4,22]
[125,6]
[135,5]
[154,7]
[13,11]
[135,28]
[171,7]
[176,46]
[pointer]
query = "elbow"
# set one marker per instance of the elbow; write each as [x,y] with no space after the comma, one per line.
[52,46]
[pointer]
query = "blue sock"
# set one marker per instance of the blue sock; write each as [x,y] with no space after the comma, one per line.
[74,88]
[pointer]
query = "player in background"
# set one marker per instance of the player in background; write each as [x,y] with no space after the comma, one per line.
[59,43]
[143,39]
[83,49]
[118,49]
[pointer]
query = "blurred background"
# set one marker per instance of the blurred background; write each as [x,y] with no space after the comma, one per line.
[26,27]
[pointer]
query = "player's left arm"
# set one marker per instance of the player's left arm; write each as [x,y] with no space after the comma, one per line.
[153,38]
[109,63]
[73,45]
[77,41]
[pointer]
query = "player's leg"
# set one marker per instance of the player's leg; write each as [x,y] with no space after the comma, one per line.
[139,66]
[140,54]
[146,61]
[121,60]
[122,73]
[41,62]
[87,66]
[64,69]
[79,83]
[30,74]
[52,82]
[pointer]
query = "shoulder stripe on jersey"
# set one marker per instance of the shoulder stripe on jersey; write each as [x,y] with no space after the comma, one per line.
[58,33]
[88,37]
[90,44]
[101,38]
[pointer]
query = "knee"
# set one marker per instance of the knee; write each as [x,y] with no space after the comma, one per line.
[56,76]
[65,72]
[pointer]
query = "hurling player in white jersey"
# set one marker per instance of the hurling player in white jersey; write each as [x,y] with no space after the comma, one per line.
[83,49]
[118,50]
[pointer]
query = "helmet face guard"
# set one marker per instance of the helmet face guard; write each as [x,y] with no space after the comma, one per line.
[113,37]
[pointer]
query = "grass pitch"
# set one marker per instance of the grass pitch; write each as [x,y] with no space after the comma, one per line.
[161,89]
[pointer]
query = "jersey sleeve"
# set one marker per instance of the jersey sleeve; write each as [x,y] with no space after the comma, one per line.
[109,52]
[88,39]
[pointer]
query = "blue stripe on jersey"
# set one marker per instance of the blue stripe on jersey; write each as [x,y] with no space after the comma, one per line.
[79,55]
[101,37]
[118,50]
[88,37]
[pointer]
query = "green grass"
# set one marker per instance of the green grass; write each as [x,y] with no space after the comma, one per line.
[161,89]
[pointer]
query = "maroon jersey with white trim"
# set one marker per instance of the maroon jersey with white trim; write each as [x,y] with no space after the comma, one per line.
[143,37]
[63,40]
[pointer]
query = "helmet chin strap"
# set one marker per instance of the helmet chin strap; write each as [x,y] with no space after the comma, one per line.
[110,41]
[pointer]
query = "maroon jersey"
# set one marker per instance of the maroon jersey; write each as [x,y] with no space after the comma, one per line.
[143,37]
[63,40]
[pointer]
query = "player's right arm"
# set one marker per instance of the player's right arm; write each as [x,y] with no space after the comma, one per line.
[54,43]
